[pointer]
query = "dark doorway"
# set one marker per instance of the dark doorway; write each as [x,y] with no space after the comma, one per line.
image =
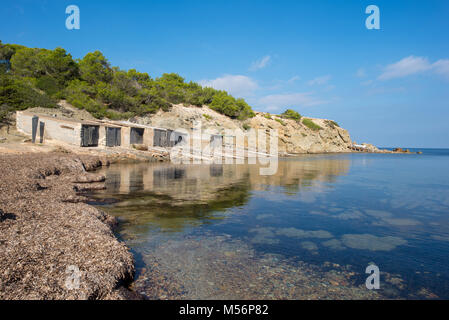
[113,137]
[168,138]
[34,122]
[136,135]
[160,138]
[216,170]
[89,135]
[41,131]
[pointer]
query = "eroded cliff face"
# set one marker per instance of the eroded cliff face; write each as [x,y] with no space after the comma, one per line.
[294,136]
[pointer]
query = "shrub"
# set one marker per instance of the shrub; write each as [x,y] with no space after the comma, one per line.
[246,126]
[311,125]
[280,121]
[4,115]
[50,85]
[231,107]
[267,116]
[332,124]
[20,94]
[291,114]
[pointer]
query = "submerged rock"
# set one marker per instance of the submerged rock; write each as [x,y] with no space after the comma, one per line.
[371,242]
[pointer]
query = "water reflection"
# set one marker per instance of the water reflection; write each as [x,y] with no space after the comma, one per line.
[171,197]
[185,222]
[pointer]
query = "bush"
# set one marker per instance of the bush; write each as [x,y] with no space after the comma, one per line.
[311,125]
[291,114]
[332,124]
[4,115]
[280,121]
[20,94]
[231,107]
[50,85]
[207,117]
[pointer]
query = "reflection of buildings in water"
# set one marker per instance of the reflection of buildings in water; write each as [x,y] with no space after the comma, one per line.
[292,174]
[171,197]
[201,182]
[216,170]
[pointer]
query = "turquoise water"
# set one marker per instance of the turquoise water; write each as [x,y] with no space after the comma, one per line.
[195,228]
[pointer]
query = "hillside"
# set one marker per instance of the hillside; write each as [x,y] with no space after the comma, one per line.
[294,136]
[42,78]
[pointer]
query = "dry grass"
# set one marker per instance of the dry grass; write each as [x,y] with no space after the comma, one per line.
[45,228]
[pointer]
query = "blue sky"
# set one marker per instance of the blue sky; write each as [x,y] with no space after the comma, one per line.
[389,87]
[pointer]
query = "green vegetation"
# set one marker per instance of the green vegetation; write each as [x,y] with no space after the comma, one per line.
[291,114]
[4,118]
[231,107]
[21,91]
[207,117]
[311,125]
[332,124]
[268,116]
[41,77]
[280,121]
[246,126]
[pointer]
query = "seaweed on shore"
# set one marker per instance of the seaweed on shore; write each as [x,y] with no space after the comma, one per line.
[52,245]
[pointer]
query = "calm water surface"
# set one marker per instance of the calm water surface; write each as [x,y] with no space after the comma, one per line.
[309,231]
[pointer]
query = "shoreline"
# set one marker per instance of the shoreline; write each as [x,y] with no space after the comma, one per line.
[46,227]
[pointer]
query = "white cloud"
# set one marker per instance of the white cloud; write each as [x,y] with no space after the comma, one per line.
[236,85]
[320,80]
[414,65]
[405,67]
[276,101]
[260,64]
[367,82]
[441,67]
[293,79]
[361,73]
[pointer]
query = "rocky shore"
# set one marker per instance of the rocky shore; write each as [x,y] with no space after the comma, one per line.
[52,245]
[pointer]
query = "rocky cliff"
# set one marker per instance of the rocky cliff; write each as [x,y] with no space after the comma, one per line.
[294,136]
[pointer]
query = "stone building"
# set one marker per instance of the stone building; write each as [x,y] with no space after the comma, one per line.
[42,127]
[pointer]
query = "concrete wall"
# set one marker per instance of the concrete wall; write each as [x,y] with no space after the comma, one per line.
[55,129]
[126,137]
[102,136]
[148,136]
[70,131]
